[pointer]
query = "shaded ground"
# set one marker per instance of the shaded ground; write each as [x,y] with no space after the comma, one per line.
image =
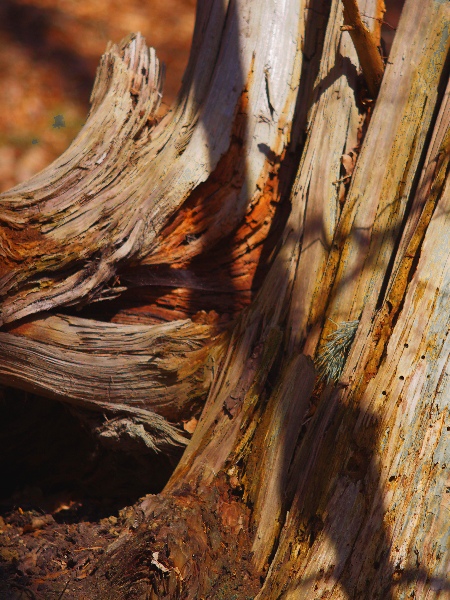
[63,497]
[42,559]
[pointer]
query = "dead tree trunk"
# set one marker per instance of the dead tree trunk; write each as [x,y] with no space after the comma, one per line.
[278,243]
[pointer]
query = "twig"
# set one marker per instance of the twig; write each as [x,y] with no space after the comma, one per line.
[382,21]
[341,179]
[366,47]
[65,588]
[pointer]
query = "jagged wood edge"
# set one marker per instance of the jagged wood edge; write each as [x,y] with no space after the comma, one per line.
[103,205]
[134,77]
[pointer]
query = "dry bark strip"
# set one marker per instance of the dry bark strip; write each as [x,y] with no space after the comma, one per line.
[366,44]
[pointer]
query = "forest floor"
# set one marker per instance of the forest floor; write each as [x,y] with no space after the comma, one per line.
[43,558]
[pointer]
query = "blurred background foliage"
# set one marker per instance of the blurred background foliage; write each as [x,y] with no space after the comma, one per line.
[49,53]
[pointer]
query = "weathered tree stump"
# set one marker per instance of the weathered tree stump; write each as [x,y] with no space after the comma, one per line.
[276,251]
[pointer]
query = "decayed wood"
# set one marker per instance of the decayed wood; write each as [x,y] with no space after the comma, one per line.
[320,188]
[317,197]
[428,193]
[351,541]
[67,215]
[430,184]
[243,422]
[377,526]
[139,381]
[371,219]
[106,201]
[267,312]
[328,491]
[231,413]
[94,364]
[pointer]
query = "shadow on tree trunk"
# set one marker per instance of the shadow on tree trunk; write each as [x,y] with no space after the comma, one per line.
[292,483]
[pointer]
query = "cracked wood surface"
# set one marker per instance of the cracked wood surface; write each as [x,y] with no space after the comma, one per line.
[369,226]
[329,491]
[110,202]
[388,447]
[105,366]
[104,204]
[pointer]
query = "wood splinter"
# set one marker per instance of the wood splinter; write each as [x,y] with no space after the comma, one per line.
[366,47]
